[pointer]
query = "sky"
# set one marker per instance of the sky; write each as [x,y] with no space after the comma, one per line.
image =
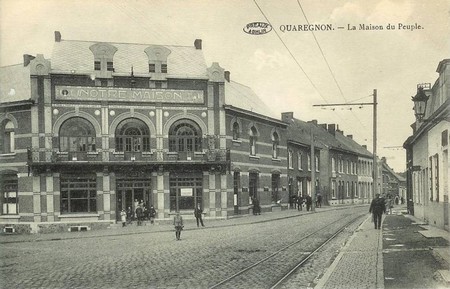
[289,70]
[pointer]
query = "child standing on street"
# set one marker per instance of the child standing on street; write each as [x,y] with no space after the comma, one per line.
[123,218]
[178,223]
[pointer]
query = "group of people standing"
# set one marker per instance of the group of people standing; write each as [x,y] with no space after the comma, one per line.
[140,213]
[297,202]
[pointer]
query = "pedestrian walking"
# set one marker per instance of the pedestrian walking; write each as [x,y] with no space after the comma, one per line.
[198,215]
[123,218]
[308,202]
[300,202]
[152,214]
[377,208]
[178,223]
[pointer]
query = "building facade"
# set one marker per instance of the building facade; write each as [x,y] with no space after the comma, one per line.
[102,127]
[427,152]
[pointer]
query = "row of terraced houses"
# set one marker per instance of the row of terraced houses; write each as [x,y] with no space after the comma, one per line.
[99,126]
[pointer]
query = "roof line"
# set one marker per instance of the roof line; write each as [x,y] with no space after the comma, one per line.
[133,43]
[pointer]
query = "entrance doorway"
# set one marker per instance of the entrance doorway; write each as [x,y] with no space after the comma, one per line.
[130,191]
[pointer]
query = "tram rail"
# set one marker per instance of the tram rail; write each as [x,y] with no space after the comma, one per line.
[247,272]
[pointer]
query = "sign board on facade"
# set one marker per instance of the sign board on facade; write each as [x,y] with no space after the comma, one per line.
[128,94]
[186,192]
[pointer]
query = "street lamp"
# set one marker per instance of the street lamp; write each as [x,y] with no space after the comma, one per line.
[420,103]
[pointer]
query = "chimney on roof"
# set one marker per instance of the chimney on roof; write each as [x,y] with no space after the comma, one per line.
[383,159]
[198,44]
[332,128]
[57,36]
[323,125]
[287,116]
[364,146]
[27,59]
[314,121]
[350,136]
[227,76]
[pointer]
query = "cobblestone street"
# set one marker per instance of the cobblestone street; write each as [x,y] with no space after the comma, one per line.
[155,260]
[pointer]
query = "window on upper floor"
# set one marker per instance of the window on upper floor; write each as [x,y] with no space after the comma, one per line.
[275,143]
[252,141]
[163,68]
[151,67]
[299,157]
[317,163]
[290,163]
[185,136]
[109,66]
[97,65]
[132,135]
[77,135]
[10,201]
[333,164]
[309,162]
[236,133]
[8,137]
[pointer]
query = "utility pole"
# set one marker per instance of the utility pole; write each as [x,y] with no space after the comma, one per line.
[313,171]
[375,162]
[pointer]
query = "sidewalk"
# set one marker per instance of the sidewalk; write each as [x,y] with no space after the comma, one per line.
[360,263]
[117,229]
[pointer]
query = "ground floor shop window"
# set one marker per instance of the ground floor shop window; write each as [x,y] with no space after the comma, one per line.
[185,191]
[9,195]
[78,194]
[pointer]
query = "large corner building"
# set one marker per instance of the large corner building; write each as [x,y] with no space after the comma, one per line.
[99,126]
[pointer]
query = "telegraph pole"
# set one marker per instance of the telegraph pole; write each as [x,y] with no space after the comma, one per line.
[313,171]
[375,162]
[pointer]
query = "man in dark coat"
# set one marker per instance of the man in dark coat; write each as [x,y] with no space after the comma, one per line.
[198,215]
[377,208]
[300,202]
[308,202]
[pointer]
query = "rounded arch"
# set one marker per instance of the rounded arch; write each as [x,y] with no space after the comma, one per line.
[185,135]
[188,116]
[254,170]
[59,122]
[121,117]
[275,171]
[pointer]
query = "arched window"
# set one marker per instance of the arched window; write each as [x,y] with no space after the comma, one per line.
[132,135]
[185,136]
[77,135]
[8,144]
[253,138]
[236,131]
[275,143]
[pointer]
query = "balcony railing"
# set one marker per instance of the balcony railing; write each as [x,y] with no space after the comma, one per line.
[207,156]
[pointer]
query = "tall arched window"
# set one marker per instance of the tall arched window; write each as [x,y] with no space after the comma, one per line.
[253,138]
[132,135]
[8,144]
[275,143]
[236,131]
[77,135]
[185,136]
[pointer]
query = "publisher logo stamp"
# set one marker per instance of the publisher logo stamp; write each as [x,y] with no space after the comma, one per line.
[257,28]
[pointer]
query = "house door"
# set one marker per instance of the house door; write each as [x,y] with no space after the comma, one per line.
[130,191]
